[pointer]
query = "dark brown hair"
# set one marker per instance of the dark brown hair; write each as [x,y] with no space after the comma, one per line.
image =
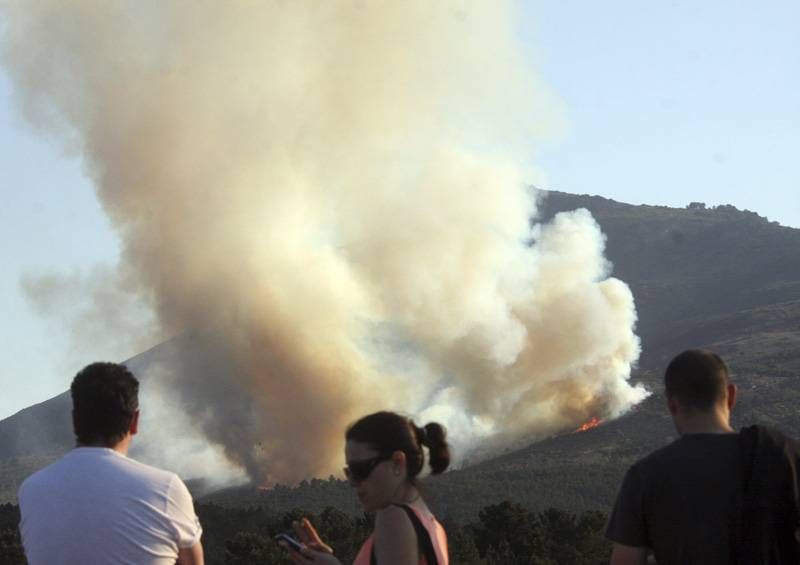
[105,397]
[388,432]
[697,379]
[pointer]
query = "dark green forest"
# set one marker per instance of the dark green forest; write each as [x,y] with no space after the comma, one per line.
[505,533]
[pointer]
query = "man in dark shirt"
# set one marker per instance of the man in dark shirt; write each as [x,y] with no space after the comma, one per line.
[692,501]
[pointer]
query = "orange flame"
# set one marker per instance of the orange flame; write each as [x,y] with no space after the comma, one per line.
[592,423]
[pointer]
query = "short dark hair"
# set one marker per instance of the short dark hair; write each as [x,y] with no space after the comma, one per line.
[697,379]
[388,432]
[105,398]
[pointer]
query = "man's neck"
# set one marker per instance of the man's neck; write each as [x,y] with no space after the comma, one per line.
[120,447]
[704,424]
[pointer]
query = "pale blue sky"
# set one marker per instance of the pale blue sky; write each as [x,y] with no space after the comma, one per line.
[674,101]
[668,102]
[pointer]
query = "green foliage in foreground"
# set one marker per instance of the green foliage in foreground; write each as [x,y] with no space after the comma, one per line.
[505,533]
[10,544]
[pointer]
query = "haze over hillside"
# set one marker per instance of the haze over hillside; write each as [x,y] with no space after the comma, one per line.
[724,279]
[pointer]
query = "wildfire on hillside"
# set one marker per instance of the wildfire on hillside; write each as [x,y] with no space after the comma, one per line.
[593,422]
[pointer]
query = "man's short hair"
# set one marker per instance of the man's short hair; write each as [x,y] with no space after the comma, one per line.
[105,398]
[697,379]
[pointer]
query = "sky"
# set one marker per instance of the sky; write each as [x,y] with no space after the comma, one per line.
[665,102]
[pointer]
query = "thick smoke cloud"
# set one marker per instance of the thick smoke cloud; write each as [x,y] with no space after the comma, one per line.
[329,201]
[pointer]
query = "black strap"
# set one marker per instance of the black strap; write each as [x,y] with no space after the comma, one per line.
[424,542]
[769,470]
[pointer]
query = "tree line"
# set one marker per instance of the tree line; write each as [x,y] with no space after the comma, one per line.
[505,533]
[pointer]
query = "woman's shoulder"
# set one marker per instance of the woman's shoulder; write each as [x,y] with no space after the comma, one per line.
[397,521]
[395,536]
[405,516]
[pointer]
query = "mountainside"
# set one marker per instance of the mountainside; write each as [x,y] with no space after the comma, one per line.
[718,278]
[697,273]
[721,279]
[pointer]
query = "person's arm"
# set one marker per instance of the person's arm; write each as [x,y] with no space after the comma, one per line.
[628,555]
[395,538]
[184,523]
[191,555]
[626,526]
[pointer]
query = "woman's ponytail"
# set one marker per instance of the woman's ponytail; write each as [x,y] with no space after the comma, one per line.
[434,437]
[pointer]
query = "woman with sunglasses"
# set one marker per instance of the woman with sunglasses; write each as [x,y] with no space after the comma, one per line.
[384,455]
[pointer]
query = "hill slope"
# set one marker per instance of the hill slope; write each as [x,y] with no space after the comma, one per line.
[719,278]
[722,279]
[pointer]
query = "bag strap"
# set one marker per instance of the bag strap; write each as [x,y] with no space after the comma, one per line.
[424,542]
[792,452]
[763,453]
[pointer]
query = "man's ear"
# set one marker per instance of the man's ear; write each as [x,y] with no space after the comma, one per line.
[731,400]
[134,428]
[672,405]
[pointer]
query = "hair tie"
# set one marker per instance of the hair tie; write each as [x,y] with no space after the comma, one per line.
[422,435]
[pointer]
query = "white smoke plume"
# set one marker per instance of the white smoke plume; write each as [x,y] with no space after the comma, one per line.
[329,199]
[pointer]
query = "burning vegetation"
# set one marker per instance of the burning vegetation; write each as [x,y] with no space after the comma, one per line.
[593,422]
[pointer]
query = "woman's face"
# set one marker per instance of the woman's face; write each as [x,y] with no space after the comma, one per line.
[377,477]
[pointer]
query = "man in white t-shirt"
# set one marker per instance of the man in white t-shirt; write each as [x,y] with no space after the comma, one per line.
[95,505]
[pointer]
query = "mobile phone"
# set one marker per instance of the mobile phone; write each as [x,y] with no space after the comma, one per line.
[290,541]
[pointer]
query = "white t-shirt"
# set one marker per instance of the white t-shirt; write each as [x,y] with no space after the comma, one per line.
[95,505]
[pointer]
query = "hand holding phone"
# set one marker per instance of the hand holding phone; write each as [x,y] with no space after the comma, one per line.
[293,544]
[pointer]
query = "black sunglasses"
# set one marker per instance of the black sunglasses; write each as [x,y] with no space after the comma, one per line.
[360,470]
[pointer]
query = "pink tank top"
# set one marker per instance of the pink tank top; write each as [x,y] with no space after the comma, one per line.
[432,526]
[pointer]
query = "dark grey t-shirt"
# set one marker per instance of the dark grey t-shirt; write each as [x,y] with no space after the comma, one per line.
[682,500]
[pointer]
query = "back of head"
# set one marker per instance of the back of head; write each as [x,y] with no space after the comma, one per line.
[697,380]
[388,432]
[105,398]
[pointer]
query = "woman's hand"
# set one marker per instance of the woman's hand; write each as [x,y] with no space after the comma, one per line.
[307,534]
[314,550]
